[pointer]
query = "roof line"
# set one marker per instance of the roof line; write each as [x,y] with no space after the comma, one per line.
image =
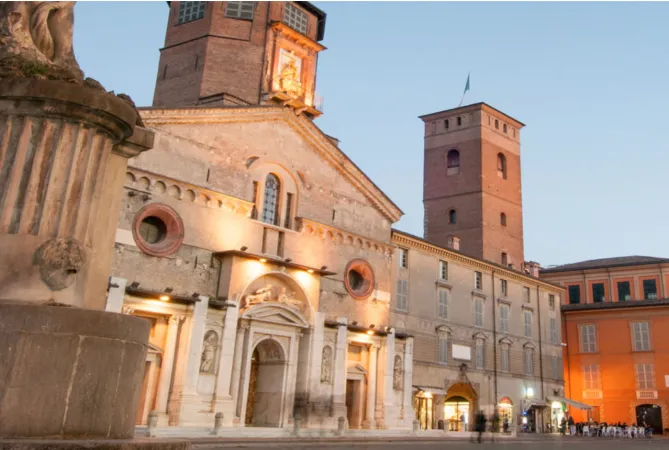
[560,269]
[472,105]
[615,305]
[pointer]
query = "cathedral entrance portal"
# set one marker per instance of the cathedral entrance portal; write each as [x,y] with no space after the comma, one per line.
[266,385]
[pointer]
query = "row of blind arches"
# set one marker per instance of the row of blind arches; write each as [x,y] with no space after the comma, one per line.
[453,163]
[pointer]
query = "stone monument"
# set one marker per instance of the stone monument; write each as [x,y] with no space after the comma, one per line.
[68,370]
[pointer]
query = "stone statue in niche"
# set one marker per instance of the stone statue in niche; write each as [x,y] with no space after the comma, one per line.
[289,78]
[398,376]
[264,294]
[208,351]
[326,365]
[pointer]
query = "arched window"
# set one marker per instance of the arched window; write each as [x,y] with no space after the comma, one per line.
[446,124]
[504,128]
[452,216]
[501,165]
[505,259]
[497,124]
[502,219]
[453,162]
[459,121]
[270,207]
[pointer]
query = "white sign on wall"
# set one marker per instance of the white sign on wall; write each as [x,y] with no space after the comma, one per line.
[462,352]
[666,380]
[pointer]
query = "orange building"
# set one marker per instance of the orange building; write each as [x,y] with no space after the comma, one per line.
[615,328]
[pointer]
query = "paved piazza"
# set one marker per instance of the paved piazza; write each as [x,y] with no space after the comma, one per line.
[529,442]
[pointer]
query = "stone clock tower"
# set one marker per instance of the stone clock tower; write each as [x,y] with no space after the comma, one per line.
[472,188]
[241,53]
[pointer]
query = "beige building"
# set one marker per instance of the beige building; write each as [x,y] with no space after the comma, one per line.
[267,263]
[485,337]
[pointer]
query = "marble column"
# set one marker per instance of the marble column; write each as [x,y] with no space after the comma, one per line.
[389,407]
[116,294]
[371,388]
[241,363]
[339,385]
[237,366]
[195,346]
[291,378]
[227,354]
[165,378]
[317,405]
[407,405]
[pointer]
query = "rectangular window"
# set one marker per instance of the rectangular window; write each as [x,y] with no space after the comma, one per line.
[402,294]
[505,358]
[574,295]
[239,10]
[556,367]
[591,376]
[478,280]
[641,341]
[624,291]
[527,320]
[404,258]
[295,18]
[190,11]
[588,338]
[597,292]
[443,350]
[504,287]
[529,361]
[443,270]
[289,212]
[551,302]
[478,312]
[479,354]
[443,303]
[554,331]
[645,376]
[504,318]
[526,294]
[649,290]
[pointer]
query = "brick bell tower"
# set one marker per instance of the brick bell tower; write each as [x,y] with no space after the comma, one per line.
[240,53]
[471,183]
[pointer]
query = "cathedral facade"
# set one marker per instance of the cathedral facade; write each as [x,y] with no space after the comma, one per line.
[267,262]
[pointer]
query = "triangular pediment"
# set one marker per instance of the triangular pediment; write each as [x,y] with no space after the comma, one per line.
[273,127]
[276,313]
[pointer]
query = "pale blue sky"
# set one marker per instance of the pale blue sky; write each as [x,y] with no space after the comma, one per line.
[589,80]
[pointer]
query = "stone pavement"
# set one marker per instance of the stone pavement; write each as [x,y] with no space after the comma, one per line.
[527,441]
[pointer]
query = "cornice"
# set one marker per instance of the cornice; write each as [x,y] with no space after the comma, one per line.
[185,191]
[340,236]
[303,127]
[405,240]
[296,37]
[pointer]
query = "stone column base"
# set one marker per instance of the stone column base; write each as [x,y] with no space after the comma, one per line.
[196,411]
[69,373]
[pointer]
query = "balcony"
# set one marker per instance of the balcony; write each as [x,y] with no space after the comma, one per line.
[646,394]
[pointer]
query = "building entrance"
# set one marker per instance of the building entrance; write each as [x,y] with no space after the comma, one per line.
[651,416]
[456,413]
[423,406]
[265,395]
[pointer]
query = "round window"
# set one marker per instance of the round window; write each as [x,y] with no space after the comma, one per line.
[359,278]
[158,230]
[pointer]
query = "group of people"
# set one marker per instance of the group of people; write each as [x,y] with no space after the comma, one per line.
[603,429]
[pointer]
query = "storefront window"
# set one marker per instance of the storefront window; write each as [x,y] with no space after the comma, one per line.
[557,413]
[505,412]
[456,413]
[423,407]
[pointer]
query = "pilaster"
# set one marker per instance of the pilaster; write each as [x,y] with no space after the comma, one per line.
[223,399]
[371,389]
[165,377]
[339,388]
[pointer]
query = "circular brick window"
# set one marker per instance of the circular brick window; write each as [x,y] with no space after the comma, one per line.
[359,278]
[158,230]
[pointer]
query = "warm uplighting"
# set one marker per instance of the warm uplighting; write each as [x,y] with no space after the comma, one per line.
[262,260]
[310,270]
[165,298]
[370,332]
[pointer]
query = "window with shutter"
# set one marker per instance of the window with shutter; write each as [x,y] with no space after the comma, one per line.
[641,336]
[443,303]
[443,350]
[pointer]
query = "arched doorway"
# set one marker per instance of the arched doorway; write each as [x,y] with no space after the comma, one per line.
[266,385]
[505,412]
[651,416]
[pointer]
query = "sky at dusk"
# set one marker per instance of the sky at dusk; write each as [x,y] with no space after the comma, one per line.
[589,80]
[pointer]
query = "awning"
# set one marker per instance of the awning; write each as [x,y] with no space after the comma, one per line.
[431,390]
[569,402]
[533,403]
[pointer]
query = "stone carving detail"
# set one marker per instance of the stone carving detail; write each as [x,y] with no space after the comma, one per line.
[326,365]
[266,294]
[59,261]
[398,374]
[208,351]
[36,39]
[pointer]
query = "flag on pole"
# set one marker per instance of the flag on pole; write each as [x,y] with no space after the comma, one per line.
[465,91]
